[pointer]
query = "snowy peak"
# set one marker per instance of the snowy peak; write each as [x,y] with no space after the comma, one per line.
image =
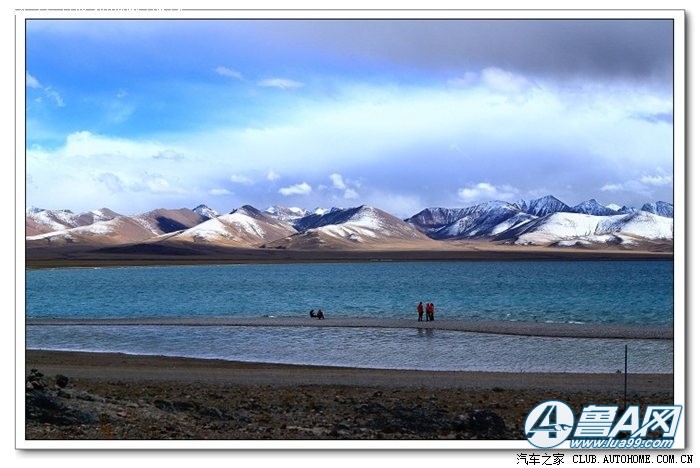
[433,219]
[50,220]
[94,216]
[483,220]
[659,208]
[41,221]
[567,229]
[592,207]
[627,210]
[351,228]
[543,206]
[115,231]
[287,214]
[205,212]
[243,227]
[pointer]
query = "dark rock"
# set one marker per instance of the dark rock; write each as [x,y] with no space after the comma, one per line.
[164,405]
[45,408]
[485,424]
[61,380]
[212,412]
[184,405]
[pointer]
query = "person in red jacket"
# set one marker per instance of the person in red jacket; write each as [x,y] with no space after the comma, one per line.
[430,310]
[420,311]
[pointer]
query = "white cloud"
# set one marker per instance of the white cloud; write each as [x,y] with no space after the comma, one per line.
[350,194]
[111,181]
[158,185]
[122,94]
[169,154]
[298,189]
[504,81]
[485,191]
[337,180]
[219,191]
[657,180]
[494,79]
[612,187]
[281,83]
[645,185]
[49,92]
[369,131]
[228,73]
[241,179]
[32,82]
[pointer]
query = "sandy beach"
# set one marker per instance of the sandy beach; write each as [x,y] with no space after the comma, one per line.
[118,396]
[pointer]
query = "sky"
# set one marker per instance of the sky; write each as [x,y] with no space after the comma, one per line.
[135,115]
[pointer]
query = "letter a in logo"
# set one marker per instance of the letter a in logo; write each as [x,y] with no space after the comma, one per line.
[549,424]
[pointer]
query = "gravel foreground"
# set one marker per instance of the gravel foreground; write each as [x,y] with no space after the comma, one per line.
[103,396]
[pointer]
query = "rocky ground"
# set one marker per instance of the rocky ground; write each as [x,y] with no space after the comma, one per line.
[62,407]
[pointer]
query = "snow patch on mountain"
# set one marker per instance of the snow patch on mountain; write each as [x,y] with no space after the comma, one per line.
[592,207]
[205,212]
[659,208]
[287,214]
[565,228]
[360,224]
[245,226]
[543,206]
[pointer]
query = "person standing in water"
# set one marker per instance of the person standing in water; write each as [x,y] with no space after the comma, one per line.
[420,311]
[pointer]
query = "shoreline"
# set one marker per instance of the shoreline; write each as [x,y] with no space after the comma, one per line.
[157,368]
[558,330]
[72,257]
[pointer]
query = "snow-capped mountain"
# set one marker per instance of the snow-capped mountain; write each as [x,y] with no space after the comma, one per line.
[592,207]
[659,208]
[627,210]
[40,221]
[543,206]
[613,206]
[243,227]
[484,220]
[362,226]
[205,212]
[287,214]
[588,223]
[431,220]
[567,229]
[119,230]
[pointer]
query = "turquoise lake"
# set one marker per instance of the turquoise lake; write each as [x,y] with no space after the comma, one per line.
[633,292]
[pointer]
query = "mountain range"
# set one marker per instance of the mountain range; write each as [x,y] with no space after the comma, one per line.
[545,221]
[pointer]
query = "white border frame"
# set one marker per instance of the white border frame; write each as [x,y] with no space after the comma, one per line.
[679,156]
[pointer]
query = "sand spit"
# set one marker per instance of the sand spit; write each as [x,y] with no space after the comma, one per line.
[561,330]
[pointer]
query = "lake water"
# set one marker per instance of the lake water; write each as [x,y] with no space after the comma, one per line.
[636,292]
[587,292]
